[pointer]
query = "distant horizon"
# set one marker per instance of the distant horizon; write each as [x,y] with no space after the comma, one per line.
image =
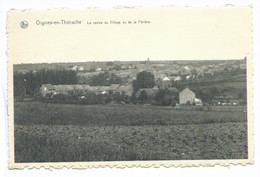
[124,61]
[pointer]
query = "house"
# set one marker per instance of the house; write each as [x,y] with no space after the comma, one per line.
[66,89]
[209,73]
[104,90]
[98,69]
[159,75]
[186,96]
[188,77]
[242,66]
[46,89]
[125,89]
[237,101]
[150,92]
[34,72]
[177,79]
[62,89]
[99,89]
[72,68]
[235,66]
[23,71]
[187,68]
[166,83]
[85,87]
[113,88]
[198,102]
[81,68]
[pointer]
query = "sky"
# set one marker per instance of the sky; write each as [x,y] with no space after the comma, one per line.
[173,33]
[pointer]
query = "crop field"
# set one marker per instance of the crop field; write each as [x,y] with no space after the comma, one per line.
[61,133]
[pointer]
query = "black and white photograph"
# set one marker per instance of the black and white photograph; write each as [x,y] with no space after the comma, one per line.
[130,87]
[130,111]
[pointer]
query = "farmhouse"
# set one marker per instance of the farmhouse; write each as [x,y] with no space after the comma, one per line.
[186,96]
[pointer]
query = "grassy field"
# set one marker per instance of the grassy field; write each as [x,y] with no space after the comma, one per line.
[56,132]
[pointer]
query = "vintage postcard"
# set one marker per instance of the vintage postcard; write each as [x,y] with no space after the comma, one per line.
[128,87]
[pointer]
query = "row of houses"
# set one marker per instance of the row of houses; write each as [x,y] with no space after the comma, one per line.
[65,89]
[185,96]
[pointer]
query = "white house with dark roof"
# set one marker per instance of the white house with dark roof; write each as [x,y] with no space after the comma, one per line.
[177,79]
[166,83]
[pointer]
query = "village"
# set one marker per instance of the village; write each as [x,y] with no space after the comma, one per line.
[169,106]
[172,83]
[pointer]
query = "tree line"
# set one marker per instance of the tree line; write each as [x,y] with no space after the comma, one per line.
[104,79]
[28,84]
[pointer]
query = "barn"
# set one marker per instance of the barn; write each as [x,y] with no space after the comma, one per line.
[186,96]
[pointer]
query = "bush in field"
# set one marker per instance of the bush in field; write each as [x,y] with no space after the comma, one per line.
[173,104]
[59,96]
[168,100]
[107,99]
[160,95]
[91,98]
[143,96]
[165,98]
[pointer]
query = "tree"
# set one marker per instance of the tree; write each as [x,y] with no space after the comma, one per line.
[104,79]
[160,95]
[29,83]
[166,101]
[144,80]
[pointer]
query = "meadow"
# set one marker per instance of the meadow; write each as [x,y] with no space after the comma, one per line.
[46,132]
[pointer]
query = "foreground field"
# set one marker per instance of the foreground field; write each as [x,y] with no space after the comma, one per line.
[54,133]
[38,113]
